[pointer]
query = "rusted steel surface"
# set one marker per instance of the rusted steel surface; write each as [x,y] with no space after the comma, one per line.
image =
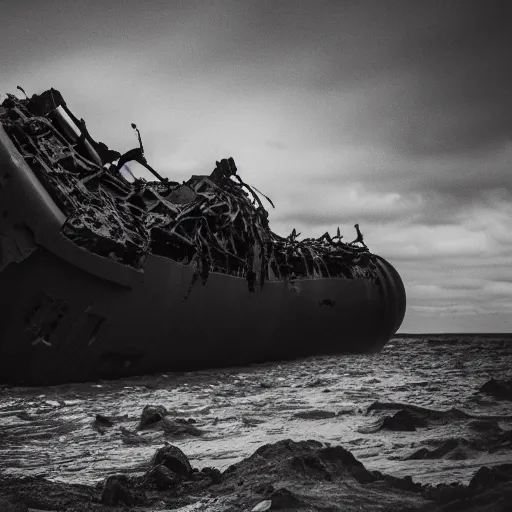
[215,223]
[99,267]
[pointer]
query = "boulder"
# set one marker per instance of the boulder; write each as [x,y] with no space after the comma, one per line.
[501,389]
[404,420]
[163,477]
[174,459]
[116,490]
[152,414]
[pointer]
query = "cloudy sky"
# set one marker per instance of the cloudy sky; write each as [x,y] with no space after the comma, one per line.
[393,114]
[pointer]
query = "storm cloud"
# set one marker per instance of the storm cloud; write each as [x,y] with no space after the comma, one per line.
[393,114]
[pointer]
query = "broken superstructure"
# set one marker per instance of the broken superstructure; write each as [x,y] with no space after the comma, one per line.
[216,222]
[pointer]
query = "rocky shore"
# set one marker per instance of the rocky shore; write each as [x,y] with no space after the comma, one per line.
[240,439]
[287,475]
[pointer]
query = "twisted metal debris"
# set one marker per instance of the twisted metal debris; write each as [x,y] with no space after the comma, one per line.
[215,223]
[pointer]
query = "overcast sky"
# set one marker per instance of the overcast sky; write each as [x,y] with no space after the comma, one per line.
[393,114]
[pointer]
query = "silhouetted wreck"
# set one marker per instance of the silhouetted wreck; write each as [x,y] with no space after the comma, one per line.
[98,267]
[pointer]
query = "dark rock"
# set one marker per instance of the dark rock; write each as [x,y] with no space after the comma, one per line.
[337,455]
[40,494]
[152,414]
[8,506]
[404,420]
[251,422]
[503,440]
[487,426]
[25,416]
[178,428]
[506,437]
[190,421]
[116,490]
[445,493]
[490,490]
[163,477]
[284,499]
[445,448]
[422,453]
[129,437]
[314,414]
[422,414]
[459,365]
[501,389]
[103,421]
[214,474]
[405,484]
[300,476]
[496,499]
[311,465]
[313,460]
[315,383]
[485,477]
[307,475]
[174,459]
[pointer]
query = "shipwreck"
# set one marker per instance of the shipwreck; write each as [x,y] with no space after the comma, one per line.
[104,273]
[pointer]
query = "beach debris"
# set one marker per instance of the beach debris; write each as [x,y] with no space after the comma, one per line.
[262,506]
[213,223]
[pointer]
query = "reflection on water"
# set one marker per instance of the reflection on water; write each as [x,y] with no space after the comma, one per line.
[51,432]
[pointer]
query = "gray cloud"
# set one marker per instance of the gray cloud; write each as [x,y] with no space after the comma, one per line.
[432,78]
[392,114]
[275,144]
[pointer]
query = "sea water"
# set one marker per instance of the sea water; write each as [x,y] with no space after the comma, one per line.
[50,431]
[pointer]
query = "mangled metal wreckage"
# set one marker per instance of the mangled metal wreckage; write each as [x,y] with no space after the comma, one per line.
[104,274]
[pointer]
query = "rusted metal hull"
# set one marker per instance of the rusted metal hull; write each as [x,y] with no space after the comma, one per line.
[69,315]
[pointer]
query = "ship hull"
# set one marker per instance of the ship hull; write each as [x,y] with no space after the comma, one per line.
[69,315]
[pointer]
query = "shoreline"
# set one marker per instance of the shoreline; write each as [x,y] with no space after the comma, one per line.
[287,475]
[444,429]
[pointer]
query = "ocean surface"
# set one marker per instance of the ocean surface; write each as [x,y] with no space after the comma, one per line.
[50,431]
